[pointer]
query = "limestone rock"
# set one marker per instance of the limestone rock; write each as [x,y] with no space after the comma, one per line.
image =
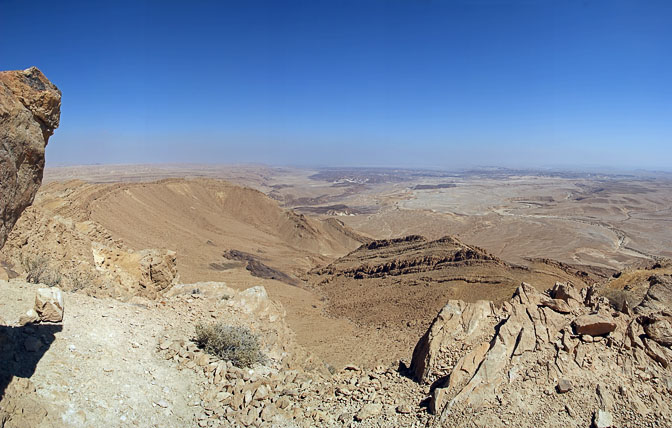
[594,325]
[659,328]
[158,272]
[29,317]
[49,304]
[602,419]
[30,108]
[369,410]
[565,292]
[455,320]
[658,297]
[558,305]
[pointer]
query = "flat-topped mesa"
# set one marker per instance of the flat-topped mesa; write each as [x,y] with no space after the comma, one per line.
[30,109]
[409,254]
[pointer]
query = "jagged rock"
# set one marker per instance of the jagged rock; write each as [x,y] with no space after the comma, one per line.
[625,308]
[565,292]
[49,304]
[456,319]
[558,305]
[659,328]
[658,297]
[30,108]
[657,352]
[511,362]
[158,272]
[594,325]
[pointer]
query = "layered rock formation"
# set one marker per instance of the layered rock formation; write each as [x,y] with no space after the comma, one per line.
[561,358]
[30,109]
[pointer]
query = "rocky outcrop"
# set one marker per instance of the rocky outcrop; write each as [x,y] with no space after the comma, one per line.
[561,364]
[658,297]
[158,272]
[30,108]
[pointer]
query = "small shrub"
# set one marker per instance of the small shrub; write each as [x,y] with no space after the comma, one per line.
[39,272]
[230,343]
[81,281]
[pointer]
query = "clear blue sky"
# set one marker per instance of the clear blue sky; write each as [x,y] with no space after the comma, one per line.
[389,82]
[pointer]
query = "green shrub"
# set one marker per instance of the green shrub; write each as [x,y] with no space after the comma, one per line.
[230,343]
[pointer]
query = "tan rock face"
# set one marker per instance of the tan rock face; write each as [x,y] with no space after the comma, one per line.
[534,354]
[30,108]
[659,328]
[158,272]
[594,325]
[49,304]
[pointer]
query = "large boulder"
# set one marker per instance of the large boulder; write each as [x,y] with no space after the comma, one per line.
[594,325]
[30,108]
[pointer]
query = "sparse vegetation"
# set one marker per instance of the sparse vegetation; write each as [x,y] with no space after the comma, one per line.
[38,271]
[236,344]
[80,282]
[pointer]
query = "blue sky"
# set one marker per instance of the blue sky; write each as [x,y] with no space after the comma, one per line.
[365,83]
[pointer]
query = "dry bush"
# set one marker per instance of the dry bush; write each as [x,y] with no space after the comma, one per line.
[38,271]
[230,343]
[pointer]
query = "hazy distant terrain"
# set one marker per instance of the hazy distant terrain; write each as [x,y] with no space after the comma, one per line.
[606,220]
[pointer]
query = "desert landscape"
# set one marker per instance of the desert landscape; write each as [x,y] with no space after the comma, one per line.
[365,214]
[347,269]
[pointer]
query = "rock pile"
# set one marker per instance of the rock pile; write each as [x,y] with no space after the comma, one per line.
[292,387]
[83,256]
[30,109]
[560,358]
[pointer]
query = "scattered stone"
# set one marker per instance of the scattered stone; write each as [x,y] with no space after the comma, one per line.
[404,409]
[49,304]
[369,410]
[564,385]
[345,418]
[602,419]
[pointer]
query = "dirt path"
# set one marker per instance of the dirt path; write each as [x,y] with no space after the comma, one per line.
[102,368]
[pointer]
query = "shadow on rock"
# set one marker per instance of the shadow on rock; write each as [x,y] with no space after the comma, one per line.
[21,348]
